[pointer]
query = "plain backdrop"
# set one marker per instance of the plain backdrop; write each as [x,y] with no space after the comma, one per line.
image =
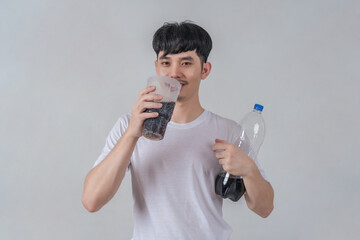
[69,69]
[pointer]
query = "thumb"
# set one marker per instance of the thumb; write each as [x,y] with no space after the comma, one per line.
[220,141]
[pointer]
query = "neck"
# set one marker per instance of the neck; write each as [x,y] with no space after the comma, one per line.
[187,111]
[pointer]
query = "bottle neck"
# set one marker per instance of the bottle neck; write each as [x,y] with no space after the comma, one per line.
[257,111]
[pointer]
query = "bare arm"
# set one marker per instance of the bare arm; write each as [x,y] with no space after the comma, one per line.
[259,194]
[104,180]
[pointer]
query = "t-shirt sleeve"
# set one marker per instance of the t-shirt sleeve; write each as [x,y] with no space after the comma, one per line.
[113,137]
[245,146]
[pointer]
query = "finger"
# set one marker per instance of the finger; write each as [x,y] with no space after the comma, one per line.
[149,115]
[222,161]
[148,105]
[220,155]
[147,90]
[150,97]
[220,146]
[217,140]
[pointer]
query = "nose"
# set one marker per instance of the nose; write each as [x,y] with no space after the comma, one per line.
[174,72]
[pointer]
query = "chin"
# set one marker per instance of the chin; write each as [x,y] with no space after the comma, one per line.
[180,99]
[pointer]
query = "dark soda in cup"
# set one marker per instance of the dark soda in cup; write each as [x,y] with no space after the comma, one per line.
[154,128]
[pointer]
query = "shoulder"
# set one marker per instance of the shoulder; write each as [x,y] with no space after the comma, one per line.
[227,128]
[124,119]
[224,122]
[122,123]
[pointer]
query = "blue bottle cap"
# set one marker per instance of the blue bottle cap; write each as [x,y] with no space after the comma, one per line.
[258,107]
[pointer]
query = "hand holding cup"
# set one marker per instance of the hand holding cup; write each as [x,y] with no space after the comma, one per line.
[138,114]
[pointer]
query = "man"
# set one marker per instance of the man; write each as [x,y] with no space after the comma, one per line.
[173,179]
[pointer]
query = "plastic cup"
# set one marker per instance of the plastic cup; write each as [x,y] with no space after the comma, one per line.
[169,89]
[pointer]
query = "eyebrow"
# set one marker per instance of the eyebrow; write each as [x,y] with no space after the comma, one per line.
[164,57]
[189,58]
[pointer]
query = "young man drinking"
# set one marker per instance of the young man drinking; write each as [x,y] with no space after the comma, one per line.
[173,179]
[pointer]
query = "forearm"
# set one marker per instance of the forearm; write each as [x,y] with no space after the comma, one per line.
[103,181]
[259,194]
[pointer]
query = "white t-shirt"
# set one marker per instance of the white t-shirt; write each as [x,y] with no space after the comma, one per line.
[173,180]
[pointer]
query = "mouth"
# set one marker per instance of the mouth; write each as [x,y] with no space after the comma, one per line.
[183,83]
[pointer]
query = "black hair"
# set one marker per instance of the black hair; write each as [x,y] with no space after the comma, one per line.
[173,38]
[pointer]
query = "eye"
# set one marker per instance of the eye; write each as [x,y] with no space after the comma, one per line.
[186,63]
[165,63]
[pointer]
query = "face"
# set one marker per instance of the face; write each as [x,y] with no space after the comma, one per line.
[186,67]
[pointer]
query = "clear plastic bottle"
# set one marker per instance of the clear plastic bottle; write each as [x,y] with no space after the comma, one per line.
[251,139]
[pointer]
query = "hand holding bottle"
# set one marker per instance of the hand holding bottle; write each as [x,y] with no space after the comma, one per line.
[233,159]
[228,184]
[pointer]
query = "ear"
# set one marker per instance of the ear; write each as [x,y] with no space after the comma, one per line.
[206,70]
[156,67]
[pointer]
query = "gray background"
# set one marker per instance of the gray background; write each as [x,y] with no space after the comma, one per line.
[69,69]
